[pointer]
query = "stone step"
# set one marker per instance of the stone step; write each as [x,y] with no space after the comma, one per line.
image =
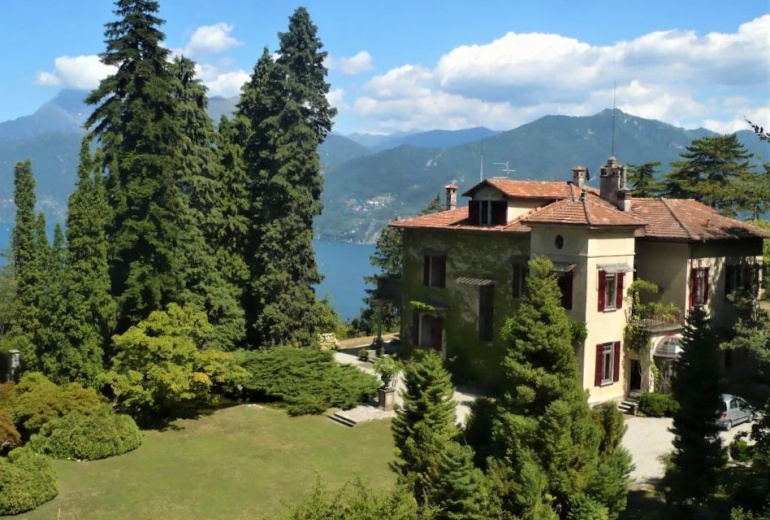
[629,406]
[341,419]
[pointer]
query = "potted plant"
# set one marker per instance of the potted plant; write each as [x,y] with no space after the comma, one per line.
[387,368]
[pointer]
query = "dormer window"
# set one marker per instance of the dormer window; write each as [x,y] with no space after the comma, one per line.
[488,212]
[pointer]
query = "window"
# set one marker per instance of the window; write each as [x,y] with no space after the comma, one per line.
[427,331]
[607,363]
[558,242]
[519,280]
[488,212]
[610,291]
[434,271]
[741,277]
[486,312]
[565,285]
[699,286]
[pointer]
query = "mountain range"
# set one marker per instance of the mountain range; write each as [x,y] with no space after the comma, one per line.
[371,179]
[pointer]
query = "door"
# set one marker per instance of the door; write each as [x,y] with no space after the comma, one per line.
[635,376]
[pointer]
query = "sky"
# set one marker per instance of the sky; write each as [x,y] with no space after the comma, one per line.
[399,65]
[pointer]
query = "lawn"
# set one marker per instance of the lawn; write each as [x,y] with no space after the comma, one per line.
[242,462]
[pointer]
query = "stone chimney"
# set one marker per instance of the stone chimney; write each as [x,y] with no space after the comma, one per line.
[612,185]
[451,196]
[579,176]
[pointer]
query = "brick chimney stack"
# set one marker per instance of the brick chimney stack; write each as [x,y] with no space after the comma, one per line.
[451,196]
[579,174]
[612,187]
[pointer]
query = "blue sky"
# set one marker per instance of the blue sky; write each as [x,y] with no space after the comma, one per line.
[402,65]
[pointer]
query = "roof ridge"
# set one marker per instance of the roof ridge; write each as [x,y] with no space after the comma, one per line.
[678,220]
[584,200]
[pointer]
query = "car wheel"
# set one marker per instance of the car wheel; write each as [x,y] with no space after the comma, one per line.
[729,426]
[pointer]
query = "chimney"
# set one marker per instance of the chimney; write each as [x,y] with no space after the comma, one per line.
[612,185]
[579,176]
[451,196]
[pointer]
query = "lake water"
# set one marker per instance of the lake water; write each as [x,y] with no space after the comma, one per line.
[343,266]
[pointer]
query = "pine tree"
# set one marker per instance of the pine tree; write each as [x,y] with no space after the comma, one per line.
[461,492]
[546,442]
[698,457]
[424,426]
[137,125]
[610,485]
[643,181]
[708,171]
[29,267]
[289,117]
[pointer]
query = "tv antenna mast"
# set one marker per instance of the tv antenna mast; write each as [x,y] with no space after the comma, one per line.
[507,168]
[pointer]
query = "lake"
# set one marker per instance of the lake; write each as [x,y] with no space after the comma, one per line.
[343,266]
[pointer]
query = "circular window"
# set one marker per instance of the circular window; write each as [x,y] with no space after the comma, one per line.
[559,242]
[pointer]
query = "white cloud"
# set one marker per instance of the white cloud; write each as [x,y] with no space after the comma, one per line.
[336,98]
[357,64]
[81,72]
[221,82]
[211,39]
[680,77]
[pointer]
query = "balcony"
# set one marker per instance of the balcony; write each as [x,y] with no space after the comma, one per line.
[663,322]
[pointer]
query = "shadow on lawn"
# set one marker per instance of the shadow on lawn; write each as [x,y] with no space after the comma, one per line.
[168,423]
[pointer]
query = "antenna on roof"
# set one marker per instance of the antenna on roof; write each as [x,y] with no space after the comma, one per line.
[614,97]
[507,168]
[481,145]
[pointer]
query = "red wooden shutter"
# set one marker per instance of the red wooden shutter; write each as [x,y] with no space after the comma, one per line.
[474,211]
[599,363]
[693,287]
[567,295]
[426,270]
[616,362]
[438,333]
[516,281]
[415,328]
[602,289]
[499,212]
[619,295]
[705,286]
[441,261]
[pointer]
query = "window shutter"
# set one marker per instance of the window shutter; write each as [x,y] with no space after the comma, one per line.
[438,333]
[616,362]
[705,286]
[567,294]
[415,328]
[729,277]
[499,212]
[619,295]
[602,289]
[441,266]
[598,373]
[516,281]
[474,211]
[426,270]
[693,287]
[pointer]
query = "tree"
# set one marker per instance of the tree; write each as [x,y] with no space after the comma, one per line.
[424,426]
[546,442]
[612,480]
[461,491]
[753,192]
[698,457]
[642,177]
[762,135]
[137,125]
[289,116]
[708,171]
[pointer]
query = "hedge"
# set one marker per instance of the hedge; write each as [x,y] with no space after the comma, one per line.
[27,480]
[9,435]
[308,381]
[653,404]
[88,437]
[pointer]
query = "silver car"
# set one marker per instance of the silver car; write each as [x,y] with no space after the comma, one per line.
[734,410]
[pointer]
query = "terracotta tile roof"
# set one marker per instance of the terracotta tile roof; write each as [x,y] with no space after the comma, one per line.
[588,212]
[456,219]
[548,190]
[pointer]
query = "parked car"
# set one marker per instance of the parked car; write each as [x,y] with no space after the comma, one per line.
[734,410]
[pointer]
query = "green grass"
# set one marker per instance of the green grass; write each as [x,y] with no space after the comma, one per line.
[238,463]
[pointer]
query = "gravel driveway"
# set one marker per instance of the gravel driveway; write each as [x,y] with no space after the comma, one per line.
[648,438]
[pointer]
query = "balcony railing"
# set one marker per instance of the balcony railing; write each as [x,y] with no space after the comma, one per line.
[667,321]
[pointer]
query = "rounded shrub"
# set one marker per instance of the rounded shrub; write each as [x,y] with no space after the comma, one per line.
[583,507]
[27,480]
[653,404]
[94,436]
[9,435]
[740,450]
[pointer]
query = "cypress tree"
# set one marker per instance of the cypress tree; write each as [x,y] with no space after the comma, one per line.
[424,426]
[698,457]
[289,117]
[545,439]
[137,125]
[461,492]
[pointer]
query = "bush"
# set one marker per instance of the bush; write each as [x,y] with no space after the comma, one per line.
[5,393]
[584,507]
[26,481]
[306,380]
[9,435]
[740,450]
[363,354]
[88,437]
[653,404]
[36,401]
